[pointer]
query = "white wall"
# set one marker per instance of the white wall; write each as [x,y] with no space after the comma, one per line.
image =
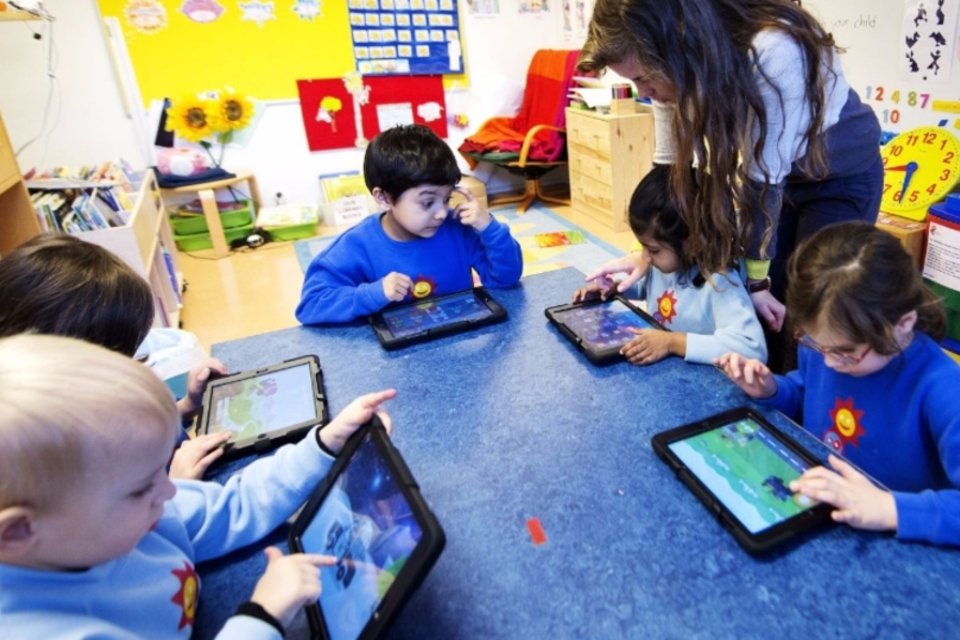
[93,127]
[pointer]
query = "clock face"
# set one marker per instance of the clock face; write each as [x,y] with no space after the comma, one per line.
[920,167]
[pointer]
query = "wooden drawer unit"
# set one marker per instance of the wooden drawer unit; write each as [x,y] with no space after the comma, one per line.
[608,155]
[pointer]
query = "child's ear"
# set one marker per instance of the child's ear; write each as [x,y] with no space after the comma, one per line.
[17,532]
[381,197]
[905,324]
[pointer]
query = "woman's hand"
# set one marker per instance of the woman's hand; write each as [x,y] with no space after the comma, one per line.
[770,310]
[634,265]
[860,503]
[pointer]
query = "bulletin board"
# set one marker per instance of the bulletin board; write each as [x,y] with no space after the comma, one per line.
[259,48]
[902,57]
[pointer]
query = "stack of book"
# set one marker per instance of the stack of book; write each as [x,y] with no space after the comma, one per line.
[84,199]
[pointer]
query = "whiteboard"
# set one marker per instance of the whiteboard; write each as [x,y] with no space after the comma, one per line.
[901,57]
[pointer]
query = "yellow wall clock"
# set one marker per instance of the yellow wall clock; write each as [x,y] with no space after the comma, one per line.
[920,167]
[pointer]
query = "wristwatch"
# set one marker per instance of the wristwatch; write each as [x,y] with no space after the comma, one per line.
[753,286]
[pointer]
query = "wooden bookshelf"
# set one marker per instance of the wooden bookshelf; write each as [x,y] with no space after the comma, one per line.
[18,222]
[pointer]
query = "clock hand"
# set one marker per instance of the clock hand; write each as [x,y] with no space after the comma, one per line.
[910,170]
[902,167]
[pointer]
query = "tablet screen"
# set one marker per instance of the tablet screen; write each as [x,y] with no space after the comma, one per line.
[366,523]
[267,402]
[603,326]
[748,470]
[439,312]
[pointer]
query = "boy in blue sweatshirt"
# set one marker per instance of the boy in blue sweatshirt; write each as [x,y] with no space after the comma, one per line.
[415,247]
[96,541]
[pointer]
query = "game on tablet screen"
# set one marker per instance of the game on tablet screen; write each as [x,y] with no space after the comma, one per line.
[419,318]
[748,470]
[367,525]
[603,326]
[270,401]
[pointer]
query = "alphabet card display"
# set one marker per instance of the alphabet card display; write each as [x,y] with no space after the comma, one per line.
[397,37]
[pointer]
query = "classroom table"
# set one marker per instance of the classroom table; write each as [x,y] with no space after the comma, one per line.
[510,423]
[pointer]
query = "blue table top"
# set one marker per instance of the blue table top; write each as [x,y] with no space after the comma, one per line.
[509,423]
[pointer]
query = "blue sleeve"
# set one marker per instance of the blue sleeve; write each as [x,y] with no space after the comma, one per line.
[253,502]
[498,258]
[934,515]
[788,399]
[336,288]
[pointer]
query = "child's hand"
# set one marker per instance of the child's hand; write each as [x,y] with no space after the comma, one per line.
[471,212]
[634,264]
[396,286]
[860,503]
[751,375]
[194,456]
[358,412]
[289,583]
[197,380]
[649,346]
[770,310]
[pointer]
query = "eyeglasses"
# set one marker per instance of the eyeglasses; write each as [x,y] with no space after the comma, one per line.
[840,354]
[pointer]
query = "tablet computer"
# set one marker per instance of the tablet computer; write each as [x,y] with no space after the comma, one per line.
[434,317]
[741,467]
[368,514]
[265,407]
[600,328]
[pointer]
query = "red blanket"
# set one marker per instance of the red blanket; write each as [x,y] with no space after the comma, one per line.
[544,101]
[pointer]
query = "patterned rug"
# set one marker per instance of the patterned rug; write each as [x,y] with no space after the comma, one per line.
[548,241]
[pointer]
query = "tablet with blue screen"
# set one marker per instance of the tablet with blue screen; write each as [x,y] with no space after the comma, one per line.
[368,514]
[740,466]
[600,328]
[431,318]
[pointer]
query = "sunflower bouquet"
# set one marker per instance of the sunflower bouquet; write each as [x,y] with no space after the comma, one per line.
[209,118]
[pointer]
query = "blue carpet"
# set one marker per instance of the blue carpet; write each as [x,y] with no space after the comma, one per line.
[585,256]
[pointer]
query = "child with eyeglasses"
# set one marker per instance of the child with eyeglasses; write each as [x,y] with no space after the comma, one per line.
[872,383]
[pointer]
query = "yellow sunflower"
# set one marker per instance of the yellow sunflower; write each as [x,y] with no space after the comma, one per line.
[192,118]
[233,111]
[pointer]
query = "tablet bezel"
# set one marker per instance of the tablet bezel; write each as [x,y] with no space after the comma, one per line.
[596,356]
[764,540]
[419,563]
[389,341]
[275,437]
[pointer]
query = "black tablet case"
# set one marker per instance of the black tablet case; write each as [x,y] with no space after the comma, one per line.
[602,357]
[415,569]
[762,541]
[271,439]
[389,342]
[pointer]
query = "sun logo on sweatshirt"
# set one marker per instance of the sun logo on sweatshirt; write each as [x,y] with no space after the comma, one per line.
[847,426]
[666,307]
[422,287]
[188,594]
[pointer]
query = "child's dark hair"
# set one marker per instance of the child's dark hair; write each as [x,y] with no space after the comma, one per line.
[653,211]
[408,156]
[58,284]
[859,281]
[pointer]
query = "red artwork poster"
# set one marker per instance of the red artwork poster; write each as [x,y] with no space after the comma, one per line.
[330,108]
[328,114]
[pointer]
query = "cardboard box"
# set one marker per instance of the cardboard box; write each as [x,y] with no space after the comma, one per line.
[912,234]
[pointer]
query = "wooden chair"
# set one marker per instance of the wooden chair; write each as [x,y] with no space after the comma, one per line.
[532,143]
